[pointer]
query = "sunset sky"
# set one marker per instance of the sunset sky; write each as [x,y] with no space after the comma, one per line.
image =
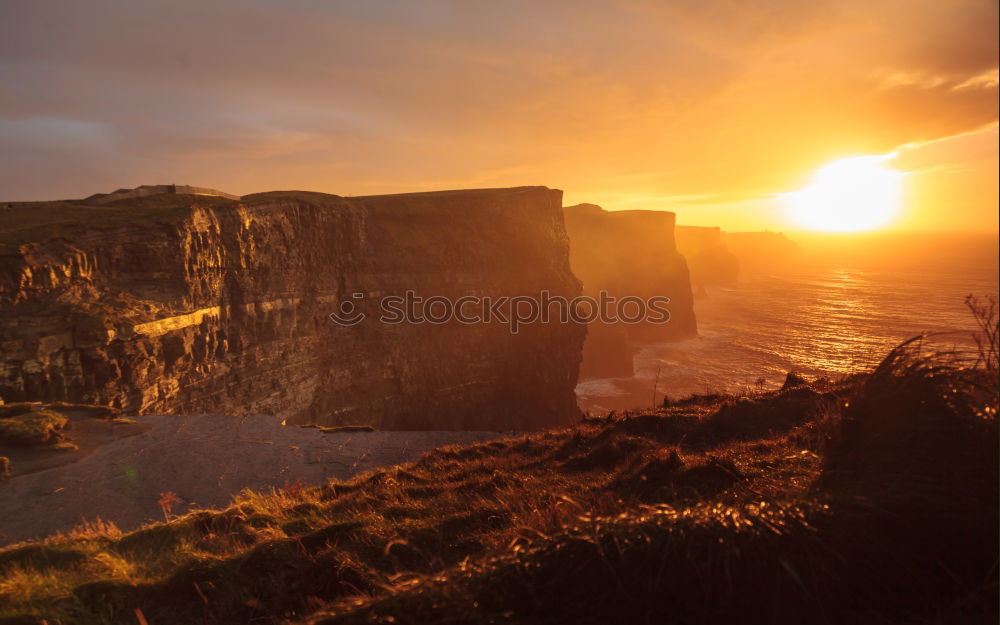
[710,109]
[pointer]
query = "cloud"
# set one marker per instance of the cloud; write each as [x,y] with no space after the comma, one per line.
[634,98]
[986,80]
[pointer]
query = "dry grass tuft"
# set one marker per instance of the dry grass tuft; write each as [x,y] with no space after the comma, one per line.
[42,427]
[871,499]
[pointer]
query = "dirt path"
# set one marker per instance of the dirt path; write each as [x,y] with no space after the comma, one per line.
[204,460]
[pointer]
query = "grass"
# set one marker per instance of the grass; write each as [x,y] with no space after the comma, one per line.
[345,428]
[872,499]
[38,423]
[335,429]
[42,427]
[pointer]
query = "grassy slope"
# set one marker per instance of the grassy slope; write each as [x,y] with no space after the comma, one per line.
[870,500]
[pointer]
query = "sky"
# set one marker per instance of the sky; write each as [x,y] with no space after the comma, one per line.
[712,109]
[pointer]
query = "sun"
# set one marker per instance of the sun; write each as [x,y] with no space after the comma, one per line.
[849,195]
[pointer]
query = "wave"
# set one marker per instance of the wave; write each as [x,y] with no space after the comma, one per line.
[825,321]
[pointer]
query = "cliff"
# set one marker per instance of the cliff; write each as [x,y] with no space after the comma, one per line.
[763,251]
[178,303]
[628,254]
[709,258]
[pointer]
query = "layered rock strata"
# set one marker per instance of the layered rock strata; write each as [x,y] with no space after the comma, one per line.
[192,304]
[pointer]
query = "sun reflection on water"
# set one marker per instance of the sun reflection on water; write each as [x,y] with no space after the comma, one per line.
[835,321]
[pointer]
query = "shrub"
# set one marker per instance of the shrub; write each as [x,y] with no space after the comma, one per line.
[917,443]
[985,311]
[33,428]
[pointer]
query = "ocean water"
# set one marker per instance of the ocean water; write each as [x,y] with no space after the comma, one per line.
[821,318]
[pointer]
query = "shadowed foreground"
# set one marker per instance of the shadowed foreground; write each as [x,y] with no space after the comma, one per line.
[200,460]
[872,499]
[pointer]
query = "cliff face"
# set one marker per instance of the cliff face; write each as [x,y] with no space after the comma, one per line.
[180,304]
[709,258]
[628,253]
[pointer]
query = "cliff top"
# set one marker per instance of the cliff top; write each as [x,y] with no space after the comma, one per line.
[314,196]
[27,222]
[716,230]
[461,192]
[147,190]
[593,210]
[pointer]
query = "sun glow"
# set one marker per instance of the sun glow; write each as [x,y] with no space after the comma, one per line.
[849,195]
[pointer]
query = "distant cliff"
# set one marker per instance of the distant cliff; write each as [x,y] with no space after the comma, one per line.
[763,251]
[191,304]
[628,253]
[717,257]
[710,260]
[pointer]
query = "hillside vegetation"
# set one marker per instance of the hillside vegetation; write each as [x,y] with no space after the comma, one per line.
[871,499]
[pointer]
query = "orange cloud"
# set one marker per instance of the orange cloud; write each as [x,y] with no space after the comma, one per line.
[689,105]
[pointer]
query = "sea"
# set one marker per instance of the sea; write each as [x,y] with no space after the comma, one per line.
[836,311]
